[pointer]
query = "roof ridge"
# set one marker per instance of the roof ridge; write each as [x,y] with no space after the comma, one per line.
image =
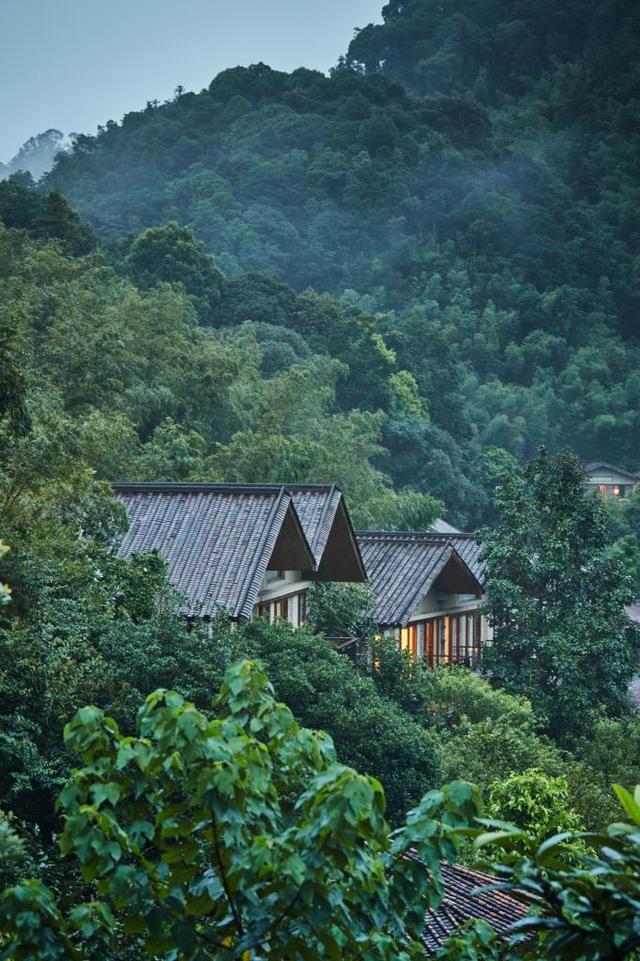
[320,532]
[203,487]
[248,582]
[591,465]
[418,535]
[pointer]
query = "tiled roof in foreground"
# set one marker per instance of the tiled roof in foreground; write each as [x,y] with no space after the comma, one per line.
[404,566]
[463,901]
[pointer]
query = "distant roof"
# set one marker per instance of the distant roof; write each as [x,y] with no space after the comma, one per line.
[596,465]
[633,612]
[442,527]
[462,902]
[404,566]
[220,539]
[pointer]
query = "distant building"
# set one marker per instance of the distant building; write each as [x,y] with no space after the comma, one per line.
[610,481]
[443,527]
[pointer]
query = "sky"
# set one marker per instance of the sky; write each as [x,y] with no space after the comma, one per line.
[74,64]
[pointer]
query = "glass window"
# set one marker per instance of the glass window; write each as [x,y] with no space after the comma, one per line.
[282,608]
[302,607]
[452,639]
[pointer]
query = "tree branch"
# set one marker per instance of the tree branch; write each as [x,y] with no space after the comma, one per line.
[223,877]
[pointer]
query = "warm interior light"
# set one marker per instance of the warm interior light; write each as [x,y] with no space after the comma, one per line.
[616,491]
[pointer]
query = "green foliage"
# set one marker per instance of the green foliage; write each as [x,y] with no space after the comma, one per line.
[401,679]
[215,837]
[472,941]
[613,749]
[458,695]
[586,905]
[455,47]
[45,215]
[624,514]
[555,599]
[534,802]
[127,384]
[371,733]
[172,254]
[464,182]
[342,611]
[490,736]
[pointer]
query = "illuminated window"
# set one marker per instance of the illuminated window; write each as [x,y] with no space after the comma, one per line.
[452,639]
[302,607]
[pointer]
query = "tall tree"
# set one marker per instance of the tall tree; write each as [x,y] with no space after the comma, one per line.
[554,598]
[172,254]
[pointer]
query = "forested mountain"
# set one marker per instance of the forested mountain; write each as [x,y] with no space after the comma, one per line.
[467,177]
[394,278]
[119,378]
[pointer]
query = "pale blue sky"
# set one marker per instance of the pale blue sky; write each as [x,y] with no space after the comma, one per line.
[73,64]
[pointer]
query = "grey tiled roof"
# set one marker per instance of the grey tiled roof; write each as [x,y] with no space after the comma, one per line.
[462,901]
[441,526]
[217,539]
[596,465]
[316,505]
[402,567]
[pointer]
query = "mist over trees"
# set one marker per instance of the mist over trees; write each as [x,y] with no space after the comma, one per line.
[465,179]
[37,154]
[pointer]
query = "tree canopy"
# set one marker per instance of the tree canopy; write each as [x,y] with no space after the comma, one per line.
[555,598]
[463,183]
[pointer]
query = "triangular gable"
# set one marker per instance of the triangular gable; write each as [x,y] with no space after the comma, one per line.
[326,522]
[469,549]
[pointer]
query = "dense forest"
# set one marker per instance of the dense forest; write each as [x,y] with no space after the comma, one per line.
[466,180]
[403,277]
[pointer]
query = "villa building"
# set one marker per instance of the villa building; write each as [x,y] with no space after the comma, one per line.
[428,593]
[247,549]
[254,550]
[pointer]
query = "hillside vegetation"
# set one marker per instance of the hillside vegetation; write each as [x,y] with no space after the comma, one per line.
[466,177]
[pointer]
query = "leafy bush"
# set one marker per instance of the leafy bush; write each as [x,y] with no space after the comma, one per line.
[535,802]
[584,888]
[458,695]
